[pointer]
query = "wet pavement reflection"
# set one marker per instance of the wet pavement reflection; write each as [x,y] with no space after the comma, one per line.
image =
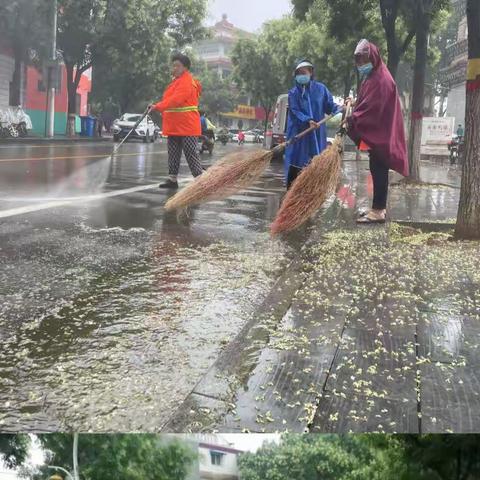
[111,308]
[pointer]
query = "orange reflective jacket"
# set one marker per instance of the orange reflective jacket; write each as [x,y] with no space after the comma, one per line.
[179,107]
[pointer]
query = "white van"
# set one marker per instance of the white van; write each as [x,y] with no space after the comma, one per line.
[276,135]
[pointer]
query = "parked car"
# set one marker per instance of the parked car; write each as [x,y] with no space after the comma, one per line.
[233,132]
[256,134]
[260,134]
[146,130]
[250,137]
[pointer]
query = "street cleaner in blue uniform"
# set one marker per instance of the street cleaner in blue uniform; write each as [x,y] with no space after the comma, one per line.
[309,101]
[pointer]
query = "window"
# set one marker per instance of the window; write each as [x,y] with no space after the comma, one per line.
[216,458]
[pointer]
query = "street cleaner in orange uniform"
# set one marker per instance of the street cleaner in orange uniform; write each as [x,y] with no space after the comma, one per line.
[181,120]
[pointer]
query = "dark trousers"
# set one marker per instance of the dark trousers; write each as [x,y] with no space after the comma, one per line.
[380,183]
[293,173]
[187,145]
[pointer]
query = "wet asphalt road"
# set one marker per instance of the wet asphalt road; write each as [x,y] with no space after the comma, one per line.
[112,310]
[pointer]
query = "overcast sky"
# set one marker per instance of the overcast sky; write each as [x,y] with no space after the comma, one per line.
[250,442]
[248,14]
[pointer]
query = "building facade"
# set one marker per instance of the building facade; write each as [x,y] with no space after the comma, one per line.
[216,50]
[35,103]
[33,93]
[216,53]
[217,459]
[454,75]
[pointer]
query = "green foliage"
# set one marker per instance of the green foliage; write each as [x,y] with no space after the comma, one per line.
[301,8]
[365,457]
[13,449]
[128,43]
[26,26]
[325,35]
[112,457]
[219,95]
[258,72]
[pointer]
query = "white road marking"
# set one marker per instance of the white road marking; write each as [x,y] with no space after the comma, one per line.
[60,203]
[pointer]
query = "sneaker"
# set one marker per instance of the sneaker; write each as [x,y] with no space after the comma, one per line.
[169,184]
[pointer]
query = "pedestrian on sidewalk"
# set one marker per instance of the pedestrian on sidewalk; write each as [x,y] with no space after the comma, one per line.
[100,124]
[181,120]
[309,101]
[460,132]
[376,126]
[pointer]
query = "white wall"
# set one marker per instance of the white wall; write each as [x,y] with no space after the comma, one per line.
[456,104]
[7,67]
[227,468]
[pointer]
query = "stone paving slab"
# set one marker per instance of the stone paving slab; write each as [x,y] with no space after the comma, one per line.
[381,334]
[357,413]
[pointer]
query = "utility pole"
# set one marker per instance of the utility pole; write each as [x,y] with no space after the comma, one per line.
[51,71]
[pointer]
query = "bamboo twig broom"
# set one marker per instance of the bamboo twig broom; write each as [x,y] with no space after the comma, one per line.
[236,172]
[313,186]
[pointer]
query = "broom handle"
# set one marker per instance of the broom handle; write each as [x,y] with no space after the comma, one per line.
[348,114]
[309,130]
[137,123]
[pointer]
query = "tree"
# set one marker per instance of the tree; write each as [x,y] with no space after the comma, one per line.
[13,449]
[468,221]
[397,47]
[422,13]
[342,37]
[312,457]
[218,94]
[110,457]
[365,457]
[257,72]
[25,24]
[443,457]
[127,42]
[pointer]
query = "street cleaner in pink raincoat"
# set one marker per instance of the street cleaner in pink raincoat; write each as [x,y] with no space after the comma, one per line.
[376,126]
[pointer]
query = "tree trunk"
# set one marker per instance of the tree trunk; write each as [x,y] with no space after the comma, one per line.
[468,220]
[72,101]
[418,93]
[72,86]
[389,12]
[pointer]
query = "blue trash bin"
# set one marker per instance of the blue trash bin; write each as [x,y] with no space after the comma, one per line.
[83,126]
[90,124]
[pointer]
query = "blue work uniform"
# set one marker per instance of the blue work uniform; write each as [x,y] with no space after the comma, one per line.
[310,102]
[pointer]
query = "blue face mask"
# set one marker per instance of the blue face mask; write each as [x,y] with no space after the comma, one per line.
[365,70]
[303,79]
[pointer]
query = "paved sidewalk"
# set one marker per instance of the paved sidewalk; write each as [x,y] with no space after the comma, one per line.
[370,329]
